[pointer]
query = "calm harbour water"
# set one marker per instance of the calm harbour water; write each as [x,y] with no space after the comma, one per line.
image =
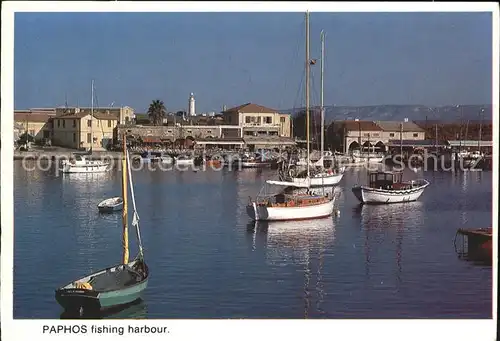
[207,261]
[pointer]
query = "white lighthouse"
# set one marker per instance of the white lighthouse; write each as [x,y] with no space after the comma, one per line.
[191,110]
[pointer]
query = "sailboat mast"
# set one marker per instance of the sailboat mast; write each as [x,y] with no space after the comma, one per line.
[125,196]
[480,130]
[322,97]
[92,117]
[307,93]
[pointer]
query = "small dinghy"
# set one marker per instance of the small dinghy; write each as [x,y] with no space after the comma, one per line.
[115,286]
[111,205]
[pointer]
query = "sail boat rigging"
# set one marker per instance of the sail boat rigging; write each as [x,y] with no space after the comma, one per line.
[79,162]
[117,285]
[296,201]
[321,177]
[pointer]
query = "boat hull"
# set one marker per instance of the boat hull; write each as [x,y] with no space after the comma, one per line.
[360,160]
[189,162]
[85,168]
[264,213]
[249,164]
[109,209]
[75,299]
[368,195]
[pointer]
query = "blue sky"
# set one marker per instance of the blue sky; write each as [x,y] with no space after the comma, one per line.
[234,58]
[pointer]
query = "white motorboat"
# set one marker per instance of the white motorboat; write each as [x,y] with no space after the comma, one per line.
[360,158]
[166,159]
[184,160]
[111,205]
[80,164]
[387,187]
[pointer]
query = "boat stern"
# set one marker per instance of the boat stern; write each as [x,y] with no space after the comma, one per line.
[76,299]
[251,211]
[358,193]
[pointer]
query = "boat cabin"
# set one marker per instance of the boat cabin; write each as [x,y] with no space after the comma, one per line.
[387,180]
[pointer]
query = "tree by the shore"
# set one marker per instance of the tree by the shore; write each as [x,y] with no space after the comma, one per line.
[157,112]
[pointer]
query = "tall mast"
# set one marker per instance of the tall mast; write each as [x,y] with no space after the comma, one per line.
[307,93]
[124,196]
[480,130]
[92,117]
[322,97]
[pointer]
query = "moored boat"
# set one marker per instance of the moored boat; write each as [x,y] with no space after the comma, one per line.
[80,164]
[290,204]
[110,205]
[184,160]
[388,187]
[117,285]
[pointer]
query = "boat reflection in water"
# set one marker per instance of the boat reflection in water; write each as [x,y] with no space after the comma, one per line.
[396,221]
[134,310]
[301,243]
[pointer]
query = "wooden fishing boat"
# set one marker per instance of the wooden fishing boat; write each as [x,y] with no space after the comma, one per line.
[117,285]
[110,205]
[388,187]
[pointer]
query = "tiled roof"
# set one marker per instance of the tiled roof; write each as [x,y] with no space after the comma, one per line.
[26,115]
[351,125]
[251,108]
[99,116]
[395,126]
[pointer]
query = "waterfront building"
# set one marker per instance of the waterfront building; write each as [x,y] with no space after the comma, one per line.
[124,114]
[257,120]
[350,135]
[79,130]
[37,122]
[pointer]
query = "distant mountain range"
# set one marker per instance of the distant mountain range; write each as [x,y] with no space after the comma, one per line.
[400,112]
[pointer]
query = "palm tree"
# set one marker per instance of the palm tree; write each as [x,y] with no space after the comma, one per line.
[157,112]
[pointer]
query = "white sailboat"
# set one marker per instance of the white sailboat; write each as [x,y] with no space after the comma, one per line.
[296,201]
[79,162]
[320,176]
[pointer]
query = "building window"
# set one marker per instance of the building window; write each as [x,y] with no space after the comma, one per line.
[169,131]
[366,134]
[189,131]
[89,123]
[109,123]
[58,123]
[391,134]
[89,137]
[375,134]
[248,119]
[64,123]
[74,123]
[268,120]
[415,134]
[74,137]
[209,132]
[282,119]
